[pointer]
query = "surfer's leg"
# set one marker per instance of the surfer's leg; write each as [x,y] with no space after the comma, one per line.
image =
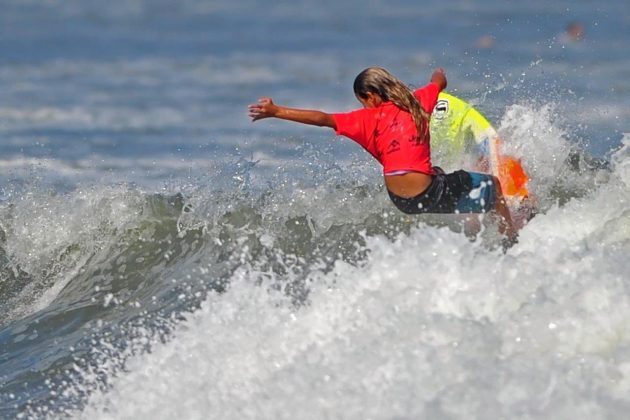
[506,227]
[472,225]
[486,196]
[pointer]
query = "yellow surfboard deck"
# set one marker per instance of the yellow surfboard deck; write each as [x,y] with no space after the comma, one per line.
[458,128]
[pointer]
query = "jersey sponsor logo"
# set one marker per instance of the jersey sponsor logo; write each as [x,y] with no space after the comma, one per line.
[441,109]
[394,146]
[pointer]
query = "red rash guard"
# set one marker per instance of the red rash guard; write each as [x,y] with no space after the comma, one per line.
[389,134]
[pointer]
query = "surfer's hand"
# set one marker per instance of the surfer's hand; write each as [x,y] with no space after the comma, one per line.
[439,78]
[265,108]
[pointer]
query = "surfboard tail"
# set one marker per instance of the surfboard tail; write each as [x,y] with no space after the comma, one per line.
[508,169]
[513,177]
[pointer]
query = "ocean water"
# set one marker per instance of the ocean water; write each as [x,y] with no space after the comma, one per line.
[163,257]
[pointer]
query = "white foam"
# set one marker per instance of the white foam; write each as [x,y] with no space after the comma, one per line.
[50,237]
[432,326]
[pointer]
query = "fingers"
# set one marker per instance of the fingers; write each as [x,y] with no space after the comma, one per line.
[254,114]
[261,109]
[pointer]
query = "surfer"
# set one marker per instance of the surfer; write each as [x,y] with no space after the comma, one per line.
[393,126]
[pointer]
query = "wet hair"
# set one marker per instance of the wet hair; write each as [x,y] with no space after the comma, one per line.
[381,82]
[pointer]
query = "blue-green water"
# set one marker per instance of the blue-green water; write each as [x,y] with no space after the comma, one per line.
[163,257]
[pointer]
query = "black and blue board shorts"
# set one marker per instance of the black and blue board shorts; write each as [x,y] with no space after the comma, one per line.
[457,192]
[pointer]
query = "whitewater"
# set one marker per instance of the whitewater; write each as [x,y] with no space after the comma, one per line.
[162,257]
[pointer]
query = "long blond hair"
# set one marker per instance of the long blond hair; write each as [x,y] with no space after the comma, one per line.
[381,82]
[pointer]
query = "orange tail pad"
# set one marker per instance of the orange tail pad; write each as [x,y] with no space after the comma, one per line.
[512,177]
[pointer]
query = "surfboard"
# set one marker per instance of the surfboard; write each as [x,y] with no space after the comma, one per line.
[458,129]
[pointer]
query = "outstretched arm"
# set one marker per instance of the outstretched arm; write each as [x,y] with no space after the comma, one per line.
[265,108]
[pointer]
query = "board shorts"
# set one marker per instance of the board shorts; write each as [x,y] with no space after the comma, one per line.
[457,192]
